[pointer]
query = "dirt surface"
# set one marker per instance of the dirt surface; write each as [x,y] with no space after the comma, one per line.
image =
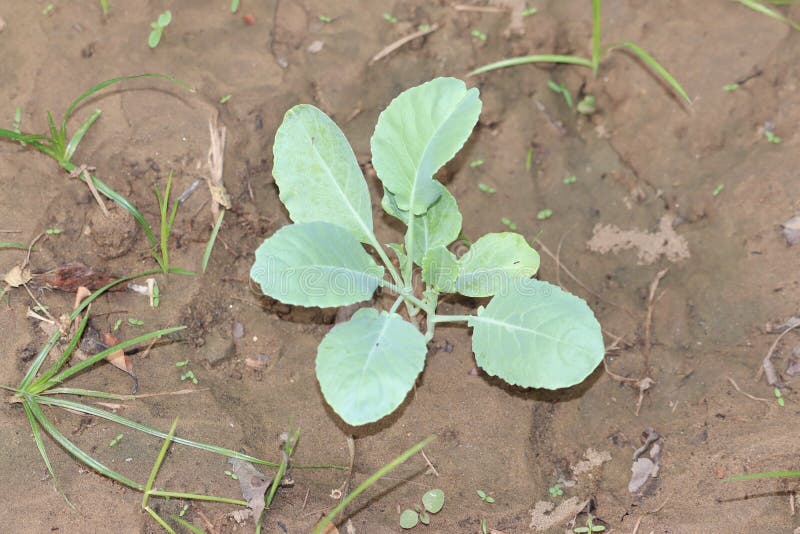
[641,159]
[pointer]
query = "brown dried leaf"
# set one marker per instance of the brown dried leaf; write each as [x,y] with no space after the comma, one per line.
[71,276]
[253,484]
[17,276]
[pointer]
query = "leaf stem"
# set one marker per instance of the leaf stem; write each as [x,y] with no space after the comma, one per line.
[450,318]
[406,295]
[386,261]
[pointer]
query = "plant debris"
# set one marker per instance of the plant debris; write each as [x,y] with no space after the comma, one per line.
[253,484]
[644,469]
[71,276]
[791,230]
[651,245]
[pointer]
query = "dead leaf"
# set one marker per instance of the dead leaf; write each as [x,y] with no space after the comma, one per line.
[71,276]
[592,460]
[651,245]
[253,484]
[642,469]
[791,230]
[118,358]
[17,276]
[545,515]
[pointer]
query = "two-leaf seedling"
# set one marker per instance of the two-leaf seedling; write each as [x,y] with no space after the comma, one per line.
[432,502]
[530,334]
[158,28]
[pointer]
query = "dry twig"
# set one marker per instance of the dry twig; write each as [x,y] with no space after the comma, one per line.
[749,396]
[400,42]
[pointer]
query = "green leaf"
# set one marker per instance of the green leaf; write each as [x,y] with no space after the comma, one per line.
[537,335]
[367,365]
[154,38]
[318,175]
[315,264]
[409,518]
[494,263]
[421,130]
[439,226]
[165,18]
[440,269]
[433,500]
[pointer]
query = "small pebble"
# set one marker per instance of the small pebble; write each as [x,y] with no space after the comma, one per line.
[315,47]
[237,330]
[249,19]
[473,372]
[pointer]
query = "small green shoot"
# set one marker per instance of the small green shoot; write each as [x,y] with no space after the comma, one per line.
[484,526]
[424,27]
[562,90]
[231,474]
[593,63]
[730,87]
[507,222]
[117,324]
[529,11]
[529,159]
[135,322]
[388,17]
[184,363]
[487,189]
[544,214]
[104,7]
[718,190]
[17,119]
[590,527]
[570,180]
[48,9]
[211,240]
[325,19]
[225,99]
[432,502]
[587,105]
[160,252]
[772,138]
[158,27]
[155,293]
[234,9]
[779,397]
[760,7]
[183,510]
[53,231]
[477,34]
[116,440]
[189,375]
[13,244]
[484,497]
[556,491]
[475,163]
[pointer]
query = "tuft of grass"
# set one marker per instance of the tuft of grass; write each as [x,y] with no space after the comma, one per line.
[598,52]
[764,9]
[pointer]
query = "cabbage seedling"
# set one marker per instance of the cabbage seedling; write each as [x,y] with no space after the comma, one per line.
[531,333]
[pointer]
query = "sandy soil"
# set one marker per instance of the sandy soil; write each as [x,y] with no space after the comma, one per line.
[641,158]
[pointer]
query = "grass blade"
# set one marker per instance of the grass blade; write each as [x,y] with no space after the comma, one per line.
[157,465]
[99,412]
[21,137]
[102,85]
[370,481]
[88,362]
[768,11]
[211,240]
[196,497]
[185,524]
[13,244]
[160,521]
[75,450]
[769,474]
[64,356]
[596,8]
[79,133]
[656,66]
[523,60]
[37,437]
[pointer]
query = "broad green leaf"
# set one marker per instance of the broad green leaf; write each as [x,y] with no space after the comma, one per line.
[439,226]
[421,130]
[537,335]
[367,366]
[318,175]
[440,269]
[495,262]
[315,264]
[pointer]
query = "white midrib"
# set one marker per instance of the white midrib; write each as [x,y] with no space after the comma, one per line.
[486,320]
[374,347]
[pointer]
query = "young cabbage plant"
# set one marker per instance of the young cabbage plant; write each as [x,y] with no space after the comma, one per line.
[531,333]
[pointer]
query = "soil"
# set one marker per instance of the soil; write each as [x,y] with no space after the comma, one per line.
[643,158]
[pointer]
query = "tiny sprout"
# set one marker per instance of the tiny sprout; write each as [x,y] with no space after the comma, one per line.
[184,363]
[183,510]
[779,397]
[771,137]
[530,11]
[475,163]
[135,322]
[484,497]
[718,190]
[117,324]
[570,179]
[507,222]
[487,189]
[115,440]
[158,26]
[231,474]
[544,214]
[561,89]
[53,231]
[730,87]
[556,491]
[424,27]
[388,17]
[587,105]
[477,34]
[325,19]
[224,99]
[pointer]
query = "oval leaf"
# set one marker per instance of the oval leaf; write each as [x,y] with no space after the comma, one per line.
[315,264]
[440,269]
[421,130]
[433,500]
[367,366]
[495,262]
[538,336]
[318,175]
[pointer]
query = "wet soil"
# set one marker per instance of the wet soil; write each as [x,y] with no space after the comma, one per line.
[642,157]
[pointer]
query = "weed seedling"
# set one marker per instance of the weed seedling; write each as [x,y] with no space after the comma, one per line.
[135,322]
[779,397]
[486,189]
[104,7]
[570,180]
[234,6]
[587,105]
[529,11]
[158,27]
[562,90]
[432,503]
[507,222]
[477,34]
[771,137]
[325,19]
[730,87]
[225,99]
[598,53]
[475,163]
[484,497]
[231,474]
[391,19]
[53,231]
[556,491]
[544,214]
[116,440]
[717,190]
[590,527]
[530,334]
